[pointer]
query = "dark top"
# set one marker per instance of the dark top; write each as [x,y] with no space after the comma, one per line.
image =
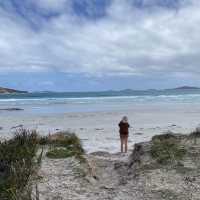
[123,128]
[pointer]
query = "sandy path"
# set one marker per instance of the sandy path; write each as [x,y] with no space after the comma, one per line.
[114,177]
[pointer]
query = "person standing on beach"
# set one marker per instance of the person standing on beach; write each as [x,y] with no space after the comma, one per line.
[123,130]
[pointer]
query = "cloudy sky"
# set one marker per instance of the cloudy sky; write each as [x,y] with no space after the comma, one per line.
[79,45]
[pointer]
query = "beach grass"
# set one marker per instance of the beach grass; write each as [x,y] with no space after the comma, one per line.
[195,133]
[64,145]
[21,156]
[59,153]
[166,148]
[19,162]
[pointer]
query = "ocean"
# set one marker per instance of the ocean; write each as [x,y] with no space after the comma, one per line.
[65,102]
[94,116]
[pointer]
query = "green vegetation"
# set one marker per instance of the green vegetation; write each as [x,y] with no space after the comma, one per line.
[167,149]
[65,145]
[18,165]
[59,153]
[195,135]
[20,160]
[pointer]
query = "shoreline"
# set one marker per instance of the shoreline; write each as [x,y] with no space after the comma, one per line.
[99,130]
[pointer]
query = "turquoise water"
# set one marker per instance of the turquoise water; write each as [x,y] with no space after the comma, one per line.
[52,102]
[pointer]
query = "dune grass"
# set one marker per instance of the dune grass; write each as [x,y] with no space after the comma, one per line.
[20,160]
[65,145]
[18,165]
[195,135]
[59,153]
[166,148]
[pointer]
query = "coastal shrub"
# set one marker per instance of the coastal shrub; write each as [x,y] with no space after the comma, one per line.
[18,164]
[196,133]
[166,148]
[43,140]
[65,145]
[59,153]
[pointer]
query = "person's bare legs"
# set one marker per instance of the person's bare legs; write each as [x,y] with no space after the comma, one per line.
[121,139]
[126,144]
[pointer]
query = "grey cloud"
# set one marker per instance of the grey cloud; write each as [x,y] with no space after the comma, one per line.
[128,40]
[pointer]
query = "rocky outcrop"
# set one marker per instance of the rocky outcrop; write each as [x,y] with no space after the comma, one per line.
[11,109]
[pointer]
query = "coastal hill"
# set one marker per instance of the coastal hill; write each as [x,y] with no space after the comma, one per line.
[186,88]
[106,92]
[10,91]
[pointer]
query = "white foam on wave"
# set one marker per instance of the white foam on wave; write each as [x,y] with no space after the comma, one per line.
[98,100]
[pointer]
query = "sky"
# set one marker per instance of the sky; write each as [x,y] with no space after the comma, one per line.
[92,45]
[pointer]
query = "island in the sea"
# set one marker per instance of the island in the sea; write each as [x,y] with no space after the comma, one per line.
[10,91]
[187,88]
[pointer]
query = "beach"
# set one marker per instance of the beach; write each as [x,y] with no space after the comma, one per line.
[105,173]
[98,130]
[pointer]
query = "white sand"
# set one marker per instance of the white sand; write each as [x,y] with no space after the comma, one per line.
[99,130]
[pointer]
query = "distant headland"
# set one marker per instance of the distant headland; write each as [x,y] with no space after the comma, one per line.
[10,91]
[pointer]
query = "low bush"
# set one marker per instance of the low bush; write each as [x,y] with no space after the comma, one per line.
[65,145]
[166,148]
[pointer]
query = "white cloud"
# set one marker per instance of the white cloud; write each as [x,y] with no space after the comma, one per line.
[126,41]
